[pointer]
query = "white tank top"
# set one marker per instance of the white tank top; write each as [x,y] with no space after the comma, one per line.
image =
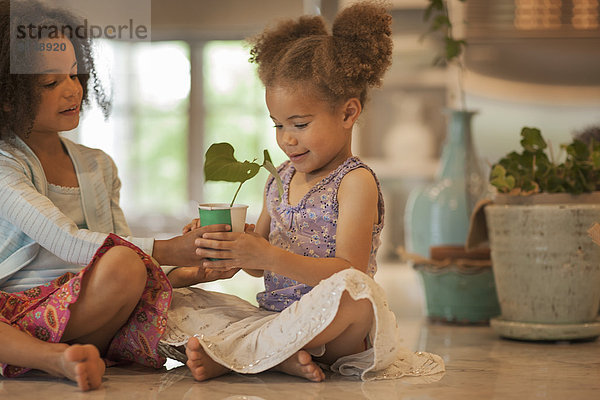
[46,266]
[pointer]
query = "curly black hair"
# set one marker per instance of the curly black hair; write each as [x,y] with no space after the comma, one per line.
[342,64]
[19,92]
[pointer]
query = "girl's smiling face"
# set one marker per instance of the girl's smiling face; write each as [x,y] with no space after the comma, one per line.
[315,137]
[60,90]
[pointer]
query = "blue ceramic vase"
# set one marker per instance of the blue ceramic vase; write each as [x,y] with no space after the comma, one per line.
[438,213]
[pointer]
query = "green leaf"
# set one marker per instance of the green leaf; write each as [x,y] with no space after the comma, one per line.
[440,22]
[529,187]
[500,180]
[532,139]
[578,150]
[534,172]
[268,165]
[453,48]
[273,171]
[595,157]
[434,5]
[221,165]
[554,184]
[266,156]
[437,12]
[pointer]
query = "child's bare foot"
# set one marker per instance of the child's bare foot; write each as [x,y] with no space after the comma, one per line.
[302,365]
[200,364]
[82,364]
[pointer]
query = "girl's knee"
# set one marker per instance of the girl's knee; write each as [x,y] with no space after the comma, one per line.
[123,266]
[361,310]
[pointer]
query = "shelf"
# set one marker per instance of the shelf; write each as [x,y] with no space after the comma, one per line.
[396,4]
[408,4]
[428,78]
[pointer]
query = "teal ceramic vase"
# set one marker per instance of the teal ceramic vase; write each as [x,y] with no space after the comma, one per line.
[438,214]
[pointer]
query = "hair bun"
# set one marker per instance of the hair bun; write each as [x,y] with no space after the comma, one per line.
[362,21]
[340,65]
[308,25]
[272,42]
[362,40]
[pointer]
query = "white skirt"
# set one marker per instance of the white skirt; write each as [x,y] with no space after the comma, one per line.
[248,340]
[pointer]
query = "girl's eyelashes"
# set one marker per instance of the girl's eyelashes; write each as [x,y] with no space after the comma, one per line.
[55,82]
[297,126]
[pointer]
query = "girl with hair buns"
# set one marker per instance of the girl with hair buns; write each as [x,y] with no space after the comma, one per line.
[316,244]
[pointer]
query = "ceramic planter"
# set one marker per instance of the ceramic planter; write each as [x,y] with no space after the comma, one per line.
[459,285]
[546,269]
[459,294]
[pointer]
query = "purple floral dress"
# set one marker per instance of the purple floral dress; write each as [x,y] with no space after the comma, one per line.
[308,229]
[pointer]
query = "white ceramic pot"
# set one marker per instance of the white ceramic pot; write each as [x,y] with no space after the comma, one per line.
[546,269]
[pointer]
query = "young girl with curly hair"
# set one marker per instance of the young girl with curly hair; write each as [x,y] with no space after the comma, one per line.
[315,245]
[72,289]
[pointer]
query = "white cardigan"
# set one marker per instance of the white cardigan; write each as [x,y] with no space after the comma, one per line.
[28,219]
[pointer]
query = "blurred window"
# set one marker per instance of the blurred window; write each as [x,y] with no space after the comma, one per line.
[148,132]
[235,112]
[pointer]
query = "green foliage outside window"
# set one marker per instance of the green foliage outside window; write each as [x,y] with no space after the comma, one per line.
[235,112]
[161,135]
[157,162]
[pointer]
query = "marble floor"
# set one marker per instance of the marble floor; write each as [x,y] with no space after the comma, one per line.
[480,365]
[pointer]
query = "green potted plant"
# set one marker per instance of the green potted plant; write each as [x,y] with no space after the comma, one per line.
[220,164]
[438,15]
[458,285]
[546,266]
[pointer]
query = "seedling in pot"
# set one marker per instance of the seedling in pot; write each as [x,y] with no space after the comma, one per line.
[221,165]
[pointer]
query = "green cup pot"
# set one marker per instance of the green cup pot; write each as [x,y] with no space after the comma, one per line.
[222,213]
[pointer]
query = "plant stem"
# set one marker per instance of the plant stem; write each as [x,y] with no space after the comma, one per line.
[462,102]
[236,193]
[461,84]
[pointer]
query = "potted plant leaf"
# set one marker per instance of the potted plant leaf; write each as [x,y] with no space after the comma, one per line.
[220,164]
[546,265]
[437,13]
[458,285]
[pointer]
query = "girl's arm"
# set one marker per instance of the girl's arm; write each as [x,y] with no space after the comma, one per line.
[32,213]
[262,229]
[357,198]
[24,209]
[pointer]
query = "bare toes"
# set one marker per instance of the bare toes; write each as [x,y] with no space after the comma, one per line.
[82,364]
[302,365]
[200,364]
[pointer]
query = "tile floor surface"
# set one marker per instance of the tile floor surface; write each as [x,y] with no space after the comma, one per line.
[479,364]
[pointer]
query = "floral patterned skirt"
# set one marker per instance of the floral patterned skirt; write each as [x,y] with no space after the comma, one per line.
[43,312]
